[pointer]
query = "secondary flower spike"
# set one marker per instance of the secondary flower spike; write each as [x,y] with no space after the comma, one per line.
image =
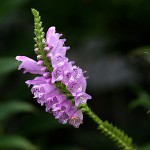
[61,90]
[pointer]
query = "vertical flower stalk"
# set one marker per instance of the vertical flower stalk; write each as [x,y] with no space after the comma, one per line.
[60,85]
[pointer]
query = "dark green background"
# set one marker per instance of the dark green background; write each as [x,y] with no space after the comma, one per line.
[109,39]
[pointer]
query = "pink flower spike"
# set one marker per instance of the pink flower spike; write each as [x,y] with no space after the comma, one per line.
[61,89]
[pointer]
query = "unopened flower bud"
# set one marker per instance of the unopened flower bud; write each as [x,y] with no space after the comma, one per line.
[46,49]
[39,57]
[40,62]
[49,55]
[46,74]
[36,50]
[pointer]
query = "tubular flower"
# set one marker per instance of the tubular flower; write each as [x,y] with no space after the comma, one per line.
[61,90]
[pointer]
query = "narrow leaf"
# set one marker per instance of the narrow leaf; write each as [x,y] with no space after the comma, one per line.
[10,108]
[16,142]
[7,65]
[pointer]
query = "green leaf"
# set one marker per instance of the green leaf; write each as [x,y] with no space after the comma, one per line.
[10,108]
[7,65]
[145,147]
[141,50]
[142,100]
[16,142]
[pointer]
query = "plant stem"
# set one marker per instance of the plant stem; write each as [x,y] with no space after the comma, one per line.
[116,135]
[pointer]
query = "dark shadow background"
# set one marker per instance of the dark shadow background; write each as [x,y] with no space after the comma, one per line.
[108,39]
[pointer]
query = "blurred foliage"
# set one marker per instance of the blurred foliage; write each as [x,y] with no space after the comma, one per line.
[109,39]
[145,147]
[142,100]
[15,142]
[12,107]
[7,65]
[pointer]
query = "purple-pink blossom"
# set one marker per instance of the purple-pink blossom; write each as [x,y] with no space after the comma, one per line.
[65,72]
[29,65]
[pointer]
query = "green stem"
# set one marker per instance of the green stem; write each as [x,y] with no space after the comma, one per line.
[122,140]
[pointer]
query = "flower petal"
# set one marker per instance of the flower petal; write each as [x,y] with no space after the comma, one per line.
[29,65]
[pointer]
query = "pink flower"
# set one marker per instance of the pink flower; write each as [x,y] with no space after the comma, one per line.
[29,65]
[64,72]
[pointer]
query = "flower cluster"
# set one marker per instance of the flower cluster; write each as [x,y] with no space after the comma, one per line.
[45,87]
